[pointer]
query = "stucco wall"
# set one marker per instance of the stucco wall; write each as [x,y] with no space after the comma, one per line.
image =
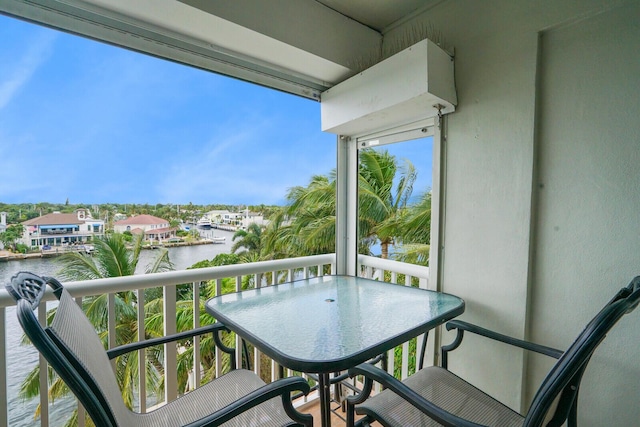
[588,228]
[513,130]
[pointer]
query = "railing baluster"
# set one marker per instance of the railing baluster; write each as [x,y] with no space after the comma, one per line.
[111,324]
[81,411]
[257,366]
[218,353]
[405,346]
[4,401]
[142,365]
[305,398]
[391,361]
[196,340]
[274,365]
[170,350]
[238,339]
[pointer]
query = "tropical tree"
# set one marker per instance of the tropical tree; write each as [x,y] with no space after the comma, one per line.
[382,195]
[312,210]
[413,229]
[11,234]
[277,238]
[307,224]
[250,239]
[111,258]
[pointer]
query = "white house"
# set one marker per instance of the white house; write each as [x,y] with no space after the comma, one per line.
[58,229]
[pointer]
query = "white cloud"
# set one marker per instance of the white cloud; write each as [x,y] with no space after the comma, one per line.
[253,160]
[19,72]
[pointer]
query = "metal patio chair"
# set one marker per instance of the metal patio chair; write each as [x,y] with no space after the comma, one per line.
[436,397]
[72,347]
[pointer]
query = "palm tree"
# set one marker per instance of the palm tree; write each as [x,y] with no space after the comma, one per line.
[313,213]
[378,202]
[307,225]
[413,227]
[111,258]
[277,237]
[249,239]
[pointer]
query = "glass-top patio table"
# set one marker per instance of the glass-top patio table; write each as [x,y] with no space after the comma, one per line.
[331,323]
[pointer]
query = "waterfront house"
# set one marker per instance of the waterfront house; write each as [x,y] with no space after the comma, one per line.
[217,216]
[236,219]
[3,221]
[247,218]
[62,229]
[154,228]
[536,151]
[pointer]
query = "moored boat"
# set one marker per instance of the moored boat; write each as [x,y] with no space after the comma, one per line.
[204,223]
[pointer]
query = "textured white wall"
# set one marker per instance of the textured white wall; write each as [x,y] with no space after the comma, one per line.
[588,228]
[512,132]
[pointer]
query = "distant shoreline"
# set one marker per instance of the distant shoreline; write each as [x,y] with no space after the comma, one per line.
[54,252]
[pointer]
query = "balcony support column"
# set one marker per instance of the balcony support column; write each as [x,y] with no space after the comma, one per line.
[346,206]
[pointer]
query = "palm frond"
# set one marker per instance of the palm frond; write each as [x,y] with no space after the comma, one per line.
[161,263]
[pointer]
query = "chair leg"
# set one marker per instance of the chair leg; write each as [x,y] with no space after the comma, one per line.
[351,416]
[355,399]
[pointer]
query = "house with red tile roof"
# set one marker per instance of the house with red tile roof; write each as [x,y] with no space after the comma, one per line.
[154,228]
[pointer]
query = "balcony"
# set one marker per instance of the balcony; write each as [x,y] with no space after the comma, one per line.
[535,173]
[262,273]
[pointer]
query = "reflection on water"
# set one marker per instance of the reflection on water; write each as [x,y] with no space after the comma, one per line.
[22,359]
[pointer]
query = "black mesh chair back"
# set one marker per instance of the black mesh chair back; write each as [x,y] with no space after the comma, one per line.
[561,384]
[28,289]
[434,396]
[72,347]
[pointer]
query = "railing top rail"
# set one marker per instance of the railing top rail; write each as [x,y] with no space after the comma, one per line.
[397,266]
[142,281]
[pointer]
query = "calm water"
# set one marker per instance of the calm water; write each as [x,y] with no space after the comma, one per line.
[21,360]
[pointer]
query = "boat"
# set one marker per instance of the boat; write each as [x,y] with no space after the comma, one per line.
[214,240]
[204,223]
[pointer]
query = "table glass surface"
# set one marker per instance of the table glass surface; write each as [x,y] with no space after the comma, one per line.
[331,318]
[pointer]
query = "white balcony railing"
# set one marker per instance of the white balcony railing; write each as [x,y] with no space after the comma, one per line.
[277,272]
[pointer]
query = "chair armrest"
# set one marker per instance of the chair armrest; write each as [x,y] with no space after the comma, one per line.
[462,326]
[283,387]
[138,345]
[423,405]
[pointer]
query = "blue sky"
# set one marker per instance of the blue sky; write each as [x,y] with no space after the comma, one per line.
[92,123]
